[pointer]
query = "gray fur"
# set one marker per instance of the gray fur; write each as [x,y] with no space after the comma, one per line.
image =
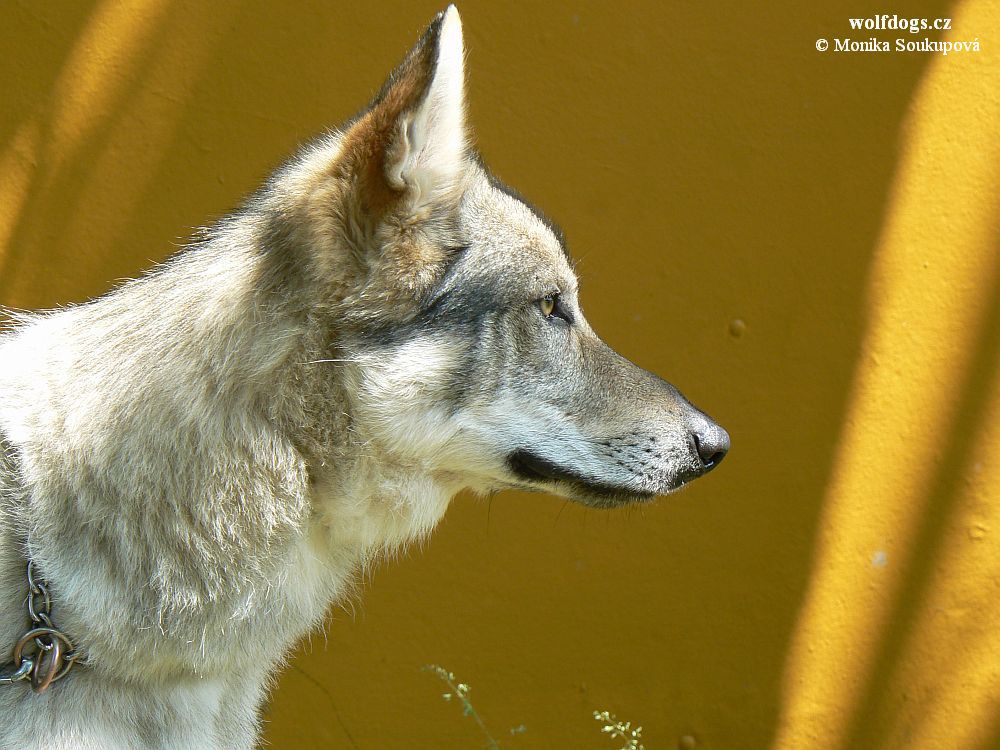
[200,461]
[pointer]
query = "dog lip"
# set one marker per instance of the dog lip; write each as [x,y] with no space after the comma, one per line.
[534,468]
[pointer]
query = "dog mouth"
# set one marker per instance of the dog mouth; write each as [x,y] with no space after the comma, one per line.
[533,468]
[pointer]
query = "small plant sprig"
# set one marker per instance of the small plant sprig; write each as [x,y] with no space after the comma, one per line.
[620,730]
[460,690]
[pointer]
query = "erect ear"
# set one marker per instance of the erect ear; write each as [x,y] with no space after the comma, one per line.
[409,147]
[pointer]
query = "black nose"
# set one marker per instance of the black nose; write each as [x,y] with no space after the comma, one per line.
[711,443]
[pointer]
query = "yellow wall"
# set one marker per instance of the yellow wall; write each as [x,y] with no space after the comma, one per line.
[836,584]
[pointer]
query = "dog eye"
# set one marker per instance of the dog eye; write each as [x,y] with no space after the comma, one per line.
[552,308]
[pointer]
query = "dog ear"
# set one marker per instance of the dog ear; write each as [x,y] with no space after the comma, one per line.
[409,147]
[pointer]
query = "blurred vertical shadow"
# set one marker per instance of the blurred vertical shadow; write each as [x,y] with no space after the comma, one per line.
[54,192]
[876,718]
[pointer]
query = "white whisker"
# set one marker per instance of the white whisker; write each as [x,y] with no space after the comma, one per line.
[320,361]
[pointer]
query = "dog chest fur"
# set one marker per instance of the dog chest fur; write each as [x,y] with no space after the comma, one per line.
[187,538]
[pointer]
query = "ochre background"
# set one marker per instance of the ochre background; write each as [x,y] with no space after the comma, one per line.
[836,583]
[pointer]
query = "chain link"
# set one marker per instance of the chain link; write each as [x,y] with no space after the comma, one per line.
[44,654]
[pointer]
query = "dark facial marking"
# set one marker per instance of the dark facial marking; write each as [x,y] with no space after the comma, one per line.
[534,468]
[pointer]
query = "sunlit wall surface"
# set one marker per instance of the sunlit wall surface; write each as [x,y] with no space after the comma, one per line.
[804,240]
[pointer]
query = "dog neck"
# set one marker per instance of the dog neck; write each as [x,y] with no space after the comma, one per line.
[379,507]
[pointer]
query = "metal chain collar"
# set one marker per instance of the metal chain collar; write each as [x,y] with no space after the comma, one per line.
[44,654]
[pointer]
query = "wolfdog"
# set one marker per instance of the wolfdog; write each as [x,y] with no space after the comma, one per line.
[195,465]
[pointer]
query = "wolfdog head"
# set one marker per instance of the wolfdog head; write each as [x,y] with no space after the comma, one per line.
[469,358]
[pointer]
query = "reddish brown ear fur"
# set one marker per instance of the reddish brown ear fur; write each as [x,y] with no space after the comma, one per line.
[374,139]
